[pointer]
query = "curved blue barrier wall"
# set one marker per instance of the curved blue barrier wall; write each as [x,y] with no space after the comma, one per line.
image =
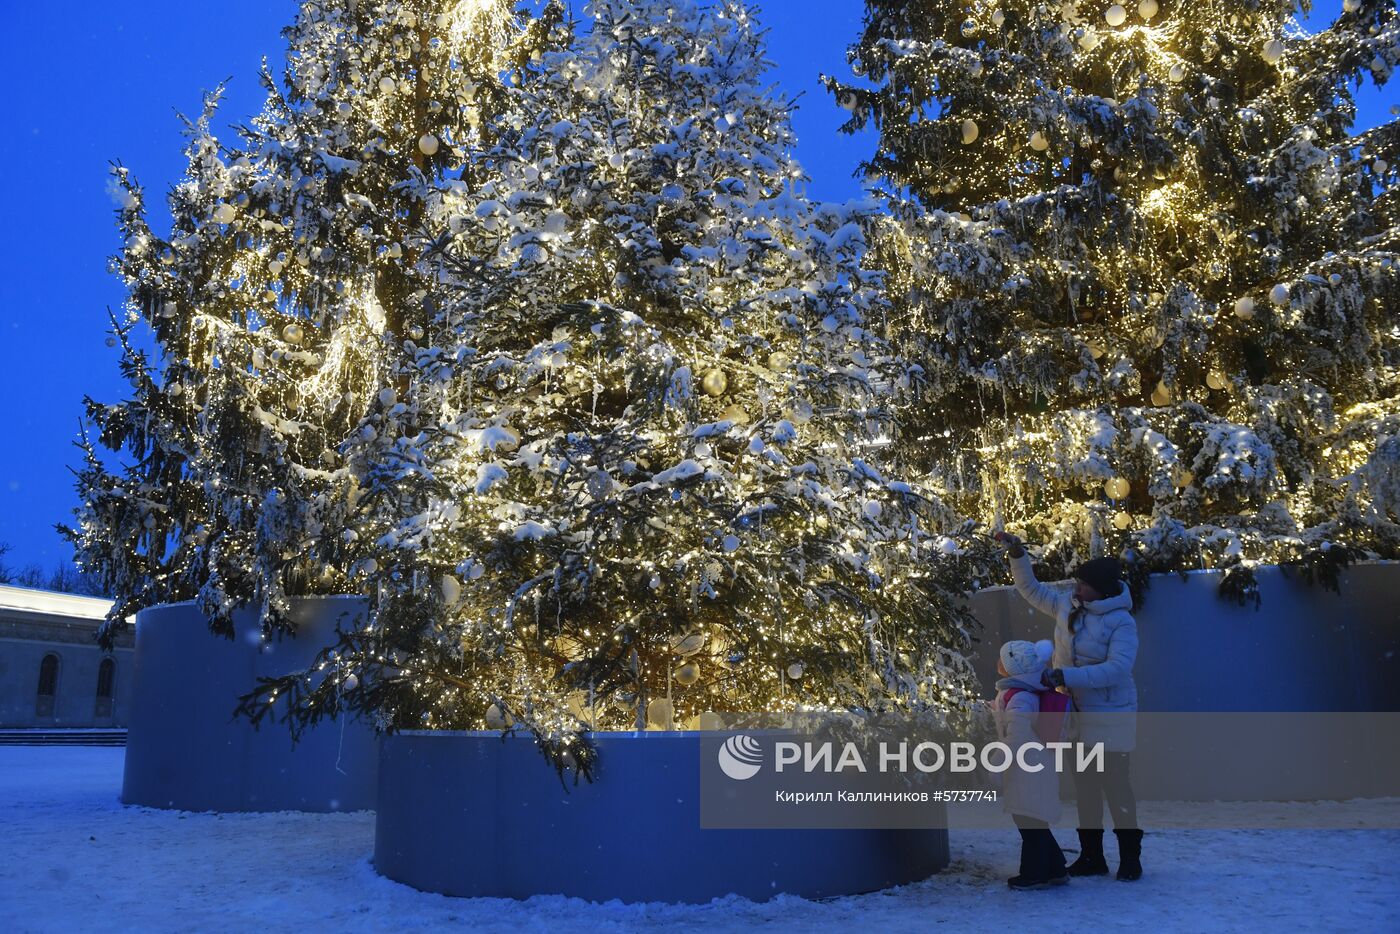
[184,750]
[476,814]
[1305,649]
[1213,676]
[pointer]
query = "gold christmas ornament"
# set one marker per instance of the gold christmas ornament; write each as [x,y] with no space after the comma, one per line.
[1244,307]
[1162,394]
[1115,15]
[293,333]
[1177,74]
[386,85]
[495,718]
[779,361]
[737,414]
[427,144]
[1273,51]
[660,714]
[1121,521]
[795,670]
[451,589]
[1279,294]
[1117,488]
[687,674]
[509,441]
[1217,380]
[715,382]
[1147,9]
[1038,141]
[970,132]
[688,644]
[225,213]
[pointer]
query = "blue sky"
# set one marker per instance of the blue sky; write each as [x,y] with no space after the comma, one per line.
[93,82]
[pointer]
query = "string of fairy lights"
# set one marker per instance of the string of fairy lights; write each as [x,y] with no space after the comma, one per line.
[614,425]
[1188,189]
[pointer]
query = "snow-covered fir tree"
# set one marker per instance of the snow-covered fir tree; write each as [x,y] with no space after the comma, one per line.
[261,328]
[641,468]
[1151,272]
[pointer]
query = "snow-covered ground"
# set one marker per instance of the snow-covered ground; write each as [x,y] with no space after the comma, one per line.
[73,858]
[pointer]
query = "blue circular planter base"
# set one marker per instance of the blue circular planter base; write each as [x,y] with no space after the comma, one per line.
[475,814]
[186,751]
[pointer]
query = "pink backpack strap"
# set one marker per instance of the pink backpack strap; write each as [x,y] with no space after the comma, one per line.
[1053,706]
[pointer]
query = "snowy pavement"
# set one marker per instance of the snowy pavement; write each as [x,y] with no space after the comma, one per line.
[73,858]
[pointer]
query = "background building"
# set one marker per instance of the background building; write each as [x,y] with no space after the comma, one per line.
[52,674]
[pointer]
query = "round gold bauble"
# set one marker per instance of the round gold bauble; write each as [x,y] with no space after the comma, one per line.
[715,382]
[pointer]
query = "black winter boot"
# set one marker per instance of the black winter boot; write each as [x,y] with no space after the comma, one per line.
[1042,863]
[1090,861]
[1129,855]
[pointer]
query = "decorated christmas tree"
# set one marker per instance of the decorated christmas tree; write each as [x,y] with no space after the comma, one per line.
[260,330]
[641,466]
[1150,271]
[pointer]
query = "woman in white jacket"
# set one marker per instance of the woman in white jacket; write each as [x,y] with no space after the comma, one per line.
[1095,647]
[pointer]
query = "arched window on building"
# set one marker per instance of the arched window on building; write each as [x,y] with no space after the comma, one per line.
[48,686]
[106,673]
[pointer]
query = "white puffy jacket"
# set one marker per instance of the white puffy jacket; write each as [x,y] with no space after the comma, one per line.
[1096,651]
[1028,792]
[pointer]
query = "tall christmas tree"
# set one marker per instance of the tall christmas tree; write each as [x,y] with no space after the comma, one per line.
[641,470]
[1151,272]
[284,297]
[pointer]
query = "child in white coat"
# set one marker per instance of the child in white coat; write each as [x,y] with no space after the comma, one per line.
[1031,797]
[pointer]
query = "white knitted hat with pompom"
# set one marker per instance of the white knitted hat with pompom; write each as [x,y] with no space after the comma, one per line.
[1020,657]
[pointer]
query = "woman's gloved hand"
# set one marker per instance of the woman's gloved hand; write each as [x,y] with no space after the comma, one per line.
[1011,543]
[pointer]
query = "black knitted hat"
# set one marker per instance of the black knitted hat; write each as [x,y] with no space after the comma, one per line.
[1101,574]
